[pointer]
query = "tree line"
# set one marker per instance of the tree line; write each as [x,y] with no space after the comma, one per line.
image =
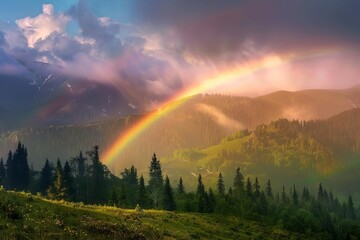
[85,179]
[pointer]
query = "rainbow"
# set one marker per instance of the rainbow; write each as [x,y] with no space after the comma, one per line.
[128,136]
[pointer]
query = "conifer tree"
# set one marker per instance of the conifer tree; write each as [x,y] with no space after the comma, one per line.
[17,169]
[238,184]
[283,195]
[130,180]
[249,192]
[212,200]
[142,198]
[155,182]
[200,190]
[21,168]
[2,173]
[257,188]
[181,188]
[320,193]
[68,181]
[46,177]
[268,189]
[10,171]
[305,195]
[200,195]
[350,208]
[168,196]
[295,196]
[114,200]
[230,191]
[220,185]
[123,202]
[57,190]
[98,186]
[79,168]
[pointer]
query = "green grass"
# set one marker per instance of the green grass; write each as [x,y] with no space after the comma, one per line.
[24,216]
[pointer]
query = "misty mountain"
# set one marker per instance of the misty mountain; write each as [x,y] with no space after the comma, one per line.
[303,152]
[200,121]
[48,99]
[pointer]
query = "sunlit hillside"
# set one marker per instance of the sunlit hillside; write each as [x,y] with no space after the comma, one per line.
[201,121]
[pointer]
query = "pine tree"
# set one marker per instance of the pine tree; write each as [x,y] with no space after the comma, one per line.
[10,171]
[268,190]
[238,184]
[295,196]
[68,181]
[46,177]
[123,202]
[320,193]
[57,190]
[305,195]
[114,200]
[79,167]
[220,185]
[200,195]
[256,188]
[180,188]
[155,181]
[230,192]
[2,173]
[212,201]
[350,208]
[283,195]
[200,190]
[168,196]
[142,198]
[21,168]
[98,187]
[249,192]
[263,203]
[130,180]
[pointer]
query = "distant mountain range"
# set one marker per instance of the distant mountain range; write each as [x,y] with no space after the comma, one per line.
[202,121]
[48,99]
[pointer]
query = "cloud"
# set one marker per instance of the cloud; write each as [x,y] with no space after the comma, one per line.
[2,39]
[41,26]
[171,46]
[103,30]
[219,117]
[217,30]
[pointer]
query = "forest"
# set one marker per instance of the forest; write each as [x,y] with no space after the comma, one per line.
[85,179]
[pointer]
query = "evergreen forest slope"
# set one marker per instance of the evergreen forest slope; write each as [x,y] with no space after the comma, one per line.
[305,152]
[200,121]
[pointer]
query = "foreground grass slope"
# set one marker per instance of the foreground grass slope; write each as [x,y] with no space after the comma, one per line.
[24,216]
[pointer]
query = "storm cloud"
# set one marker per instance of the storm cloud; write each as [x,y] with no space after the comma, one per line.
[169,46]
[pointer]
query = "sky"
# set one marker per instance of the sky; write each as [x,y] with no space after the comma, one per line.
[150,51]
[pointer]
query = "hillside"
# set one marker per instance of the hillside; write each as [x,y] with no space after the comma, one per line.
[23,216]
[306,153]
[201,121]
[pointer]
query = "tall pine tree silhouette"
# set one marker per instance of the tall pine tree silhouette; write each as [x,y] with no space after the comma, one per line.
[221,186]
[97,183]
[46,177]
[155,182]
[2,173]
[168,196]
[142,198]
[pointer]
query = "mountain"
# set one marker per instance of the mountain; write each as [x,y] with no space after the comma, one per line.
[305,152]
[199,121]
[49,99]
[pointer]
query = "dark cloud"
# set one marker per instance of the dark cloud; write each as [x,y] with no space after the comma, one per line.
[214,28]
